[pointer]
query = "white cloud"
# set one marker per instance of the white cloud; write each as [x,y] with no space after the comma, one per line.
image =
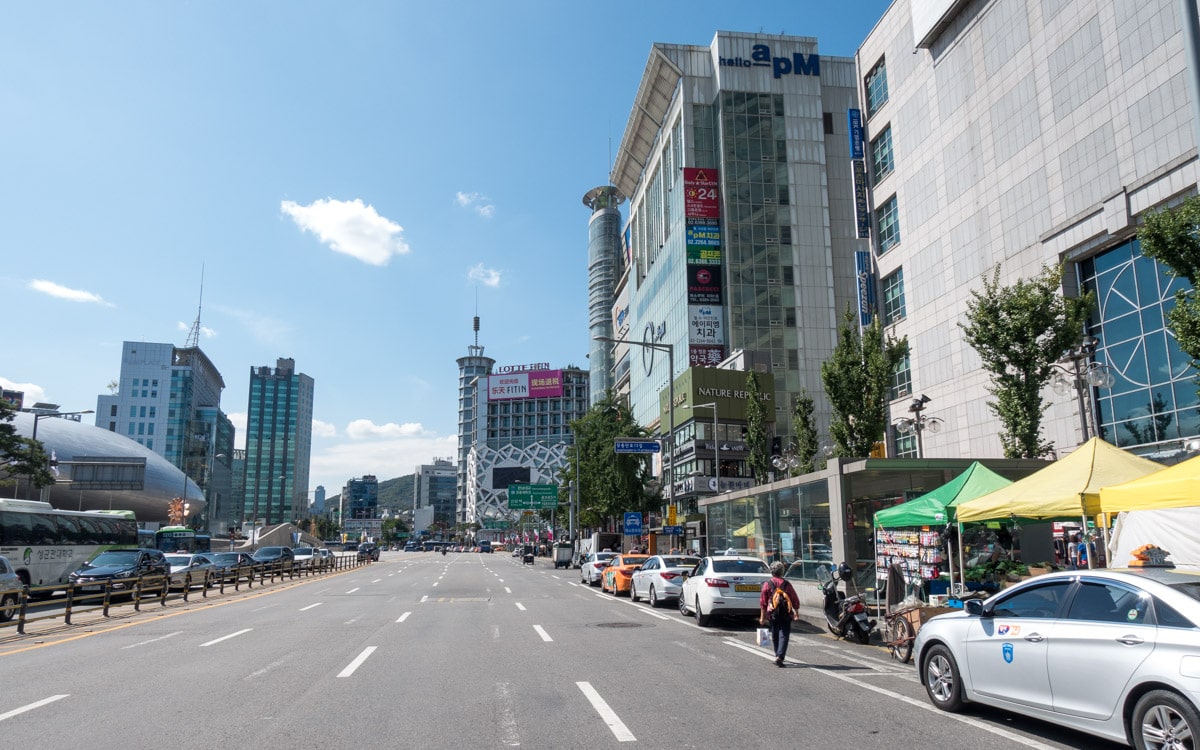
[266,329]
[51,289]
[350,228]
[205,331]
[364,429]
[323,429]
[486,276]
[33,393]
[477,202]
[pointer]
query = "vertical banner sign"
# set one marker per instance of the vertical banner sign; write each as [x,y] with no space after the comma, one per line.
[702,224]
[700,193]
[861,214]
[854,117]
[866,286]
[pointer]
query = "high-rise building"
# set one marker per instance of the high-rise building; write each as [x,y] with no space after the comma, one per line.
[605,265]
[741,226]
[318,503]
[434,487]
[1017,135]
[471,369]
[360,497]
[278,443]
[168,399]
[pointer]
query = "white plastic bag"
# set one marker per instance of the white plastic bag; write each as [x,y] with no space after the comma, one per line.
[764,638]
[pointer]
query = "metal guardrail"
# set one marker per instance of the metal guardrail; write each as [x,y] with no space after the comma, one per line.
[78,601]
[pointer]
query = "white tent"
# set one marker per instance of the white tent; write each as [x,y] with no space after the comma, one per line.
[1176,530]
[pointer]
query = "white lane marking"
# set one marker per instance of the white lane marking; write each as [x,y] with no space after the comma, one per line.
[508,717]
[31,706]
[403,617]
[619,730]
[520,606]
[545,636]
[495,632]
[351,591]
[697,651]
[377,580]
[556,576]
[507,590]
[435,583]
[1026,741]
[226,637]
[268,668]
[423,598]
[152,640]
[358,660]
[305,609]
[652,614]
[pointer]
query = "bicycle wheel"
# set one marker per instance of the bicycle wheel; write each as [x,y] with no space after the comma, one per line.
[900,637]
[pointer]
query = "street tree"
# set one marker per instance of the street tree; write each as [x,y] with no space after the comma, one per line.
[21,457]
[758,450]
[805,430]
[608,483]
[1019,332]
[1170,237]
[858,381]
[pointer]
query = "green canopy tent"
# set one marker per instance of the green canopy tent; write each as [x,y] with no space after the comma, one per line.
[937,506]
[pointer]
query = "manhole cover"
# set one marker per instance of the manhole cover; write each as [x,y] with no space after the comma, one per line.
[618,624]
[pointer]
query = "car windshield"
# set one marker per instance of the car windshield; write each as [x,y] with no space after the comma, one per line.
[115,557]
[628,560]
[179,559]
[267,552]
[739,566]
[601,556]
[225,558]
[304,551]
[680,562]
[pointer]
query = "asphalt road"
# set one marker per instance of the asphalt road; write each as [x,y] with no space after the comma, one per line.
[466,650]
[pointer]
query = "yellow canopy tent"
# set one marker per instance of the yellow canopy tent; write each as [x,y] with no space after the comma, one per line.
[1067,488]
[1176,486]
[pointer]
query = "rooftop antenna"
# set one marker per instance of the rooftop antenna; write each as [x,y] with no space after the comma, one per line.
[193,337]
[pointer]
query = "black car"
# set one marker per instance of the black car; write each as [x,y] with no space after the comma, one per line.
[368,551]
[270,557]
[118,566]
[225,563]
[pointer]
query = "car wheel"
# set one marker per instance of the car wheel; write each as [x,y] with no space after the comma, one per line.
[633,595]
[654,601]
[701,619]
[1162,719]
[8,607]
[582,576]
[940,675]
[683,610]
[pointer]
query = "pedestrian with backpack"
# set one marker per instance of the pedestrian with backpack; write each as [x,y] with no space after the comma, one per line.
[779,606]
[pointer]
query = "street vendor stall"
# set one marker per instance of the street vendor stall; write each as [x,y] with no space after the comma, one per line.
[1162,508]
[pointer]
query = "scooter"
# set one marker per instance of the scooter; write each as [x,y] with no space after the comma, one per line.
[844,615]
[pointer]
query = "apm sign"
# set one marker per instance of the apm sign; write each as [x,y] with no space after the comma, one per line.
[760,57]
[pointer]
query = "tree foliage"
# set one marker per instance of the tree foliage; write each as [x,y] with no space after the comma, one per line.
[1019,332]
[1170,237]
[758,457]
[858,381]
[609,483]
[21,457]
[805,430]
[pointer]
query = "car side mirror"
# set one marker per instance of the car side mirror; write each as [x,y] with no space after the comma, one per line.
[975,607]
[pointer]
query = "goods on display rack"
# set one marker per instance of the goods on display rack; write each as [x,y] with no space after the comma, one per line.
[918,552]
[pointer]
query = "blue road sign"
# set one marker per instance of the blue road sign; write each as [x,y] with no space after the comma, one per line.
[636,446]
[633,524]
[672,530]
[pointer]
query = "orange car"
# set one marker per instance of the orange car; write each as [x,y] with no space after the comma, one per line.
[619,573]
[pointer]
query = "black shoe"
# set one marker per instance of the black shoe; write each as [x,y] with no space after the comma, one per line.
[779,662]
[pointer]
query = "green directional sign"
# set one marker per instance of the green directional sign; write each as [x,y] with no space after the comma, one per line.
[532,496]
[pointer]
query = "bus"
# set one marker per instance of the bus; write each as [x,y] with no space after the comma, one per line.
[175,539]
[45,545]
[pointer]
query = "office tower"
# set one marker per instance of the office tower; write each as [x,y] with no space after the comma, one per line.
[278,443]
[434,488]
[471,369]
[605,265]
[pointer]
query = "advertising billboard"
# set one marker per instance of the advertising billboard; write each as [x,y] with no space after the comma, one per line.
[705,325]
[700,193]
[532,384]
[704,285]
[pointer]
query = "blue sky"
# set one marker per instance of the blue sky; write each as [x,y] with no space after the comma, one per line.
[355,179]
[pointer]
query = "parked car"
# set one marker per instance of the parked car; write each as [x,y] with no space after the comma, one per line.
[660,578]
[226,564]
[274,556]
[199,566]
[1100,651]
[305,557]
[368,551]
[118,565]
[412,546]
[593,567]
[619,572]
[324,558]
[723,585]
[10,590]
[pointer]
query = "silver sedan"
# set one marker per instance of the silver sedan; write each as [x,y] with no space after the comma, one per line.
[660,578]
[1113,653]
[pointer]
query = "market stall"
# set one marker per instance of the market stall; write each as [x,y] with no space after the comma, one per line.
[1162,508]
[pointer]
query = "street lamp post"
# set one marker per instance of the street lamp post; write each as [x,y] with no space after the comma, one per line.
[670,350]
[716,444]
[918,422]
[1082,375]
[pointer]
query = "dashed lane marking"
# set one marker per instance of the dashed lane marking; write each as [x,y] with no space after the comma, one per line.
[226,637]
[31,706]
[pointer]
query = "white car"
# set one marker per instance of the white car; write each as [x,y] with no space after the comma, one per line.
[661,577]
[724,585]
[1113,653]
[10,590]
[593,567]
[306,557]
[324,558]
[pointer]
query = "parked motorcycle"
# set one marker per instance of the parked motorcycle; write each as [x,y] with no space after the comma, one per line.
[844,615]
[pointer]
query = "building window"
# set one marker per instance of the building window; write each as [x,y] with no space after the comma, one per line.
[902,379]
[112,410]
[132,412]
[906,446]
[881,155]
[887,217]
[132,429]
[893,297]
[877,88]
